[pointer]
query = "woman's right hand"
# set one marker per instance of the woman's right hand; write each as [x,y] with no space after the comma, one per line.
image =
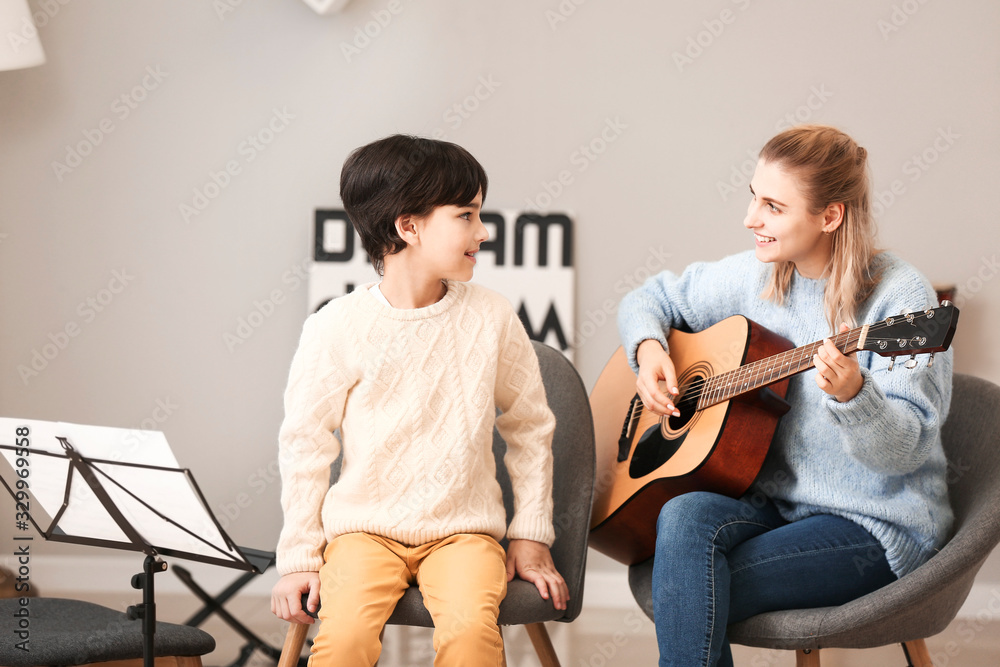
[286,596]
[655,367]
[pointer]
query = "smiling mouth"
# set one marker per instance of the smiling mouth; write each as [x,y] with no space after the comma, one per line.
[763,239]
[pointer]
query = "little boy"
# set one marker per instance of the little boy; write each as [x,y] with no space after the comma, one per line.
[411,370]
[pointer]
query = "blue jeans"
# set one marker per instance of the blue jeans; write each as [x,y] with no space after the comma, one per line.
[721,560]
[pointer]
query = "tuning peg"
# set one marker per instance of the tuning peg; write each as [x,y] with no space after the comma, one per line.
[911,363]
[892,363]
[930,360]
[945,303]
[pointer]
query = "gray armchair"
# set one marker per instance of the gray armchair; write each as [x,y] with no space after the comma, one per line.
[573,487]
[924,602]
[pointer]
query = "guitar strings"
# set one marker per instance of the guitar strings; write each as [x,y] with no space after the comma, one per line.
[801,359]
[754,366]
[726,379]
[692,392]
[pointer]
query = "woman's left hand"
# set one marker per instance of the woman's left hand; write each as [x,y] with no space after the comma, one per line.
[838,375]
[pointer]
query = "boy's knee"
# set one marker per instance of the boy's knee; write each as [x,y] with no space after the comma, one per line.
[346,645]
[467,630]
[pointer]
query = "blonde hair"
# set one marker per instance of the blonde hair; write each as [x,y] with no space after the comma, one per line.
[831,168]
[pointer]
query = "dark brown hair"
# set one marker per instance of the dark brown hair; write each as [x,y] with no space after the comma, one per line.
[404,175]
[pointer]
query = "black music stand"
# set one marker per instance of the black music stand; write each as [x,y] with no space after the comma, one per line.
[113,502]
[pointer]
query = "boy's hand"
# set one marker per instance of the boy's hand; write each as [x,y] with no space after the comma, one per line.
[286,596]
[532,562]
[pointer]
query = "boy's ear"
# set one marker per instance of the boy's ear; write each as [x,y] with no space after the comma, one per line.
[406,227]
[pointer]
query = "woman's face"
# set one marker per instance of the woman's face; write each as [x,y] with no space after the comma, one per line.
[783,226]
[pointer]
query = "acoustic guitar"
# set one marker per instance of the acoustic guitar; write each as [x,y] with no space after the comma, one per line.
[732,379]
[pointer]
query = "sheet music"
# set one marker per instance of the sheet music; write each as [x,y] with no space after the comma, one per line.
[165,487]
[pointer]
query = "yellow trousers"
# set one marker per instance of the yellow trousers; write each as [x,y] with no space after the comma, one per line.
[463,579]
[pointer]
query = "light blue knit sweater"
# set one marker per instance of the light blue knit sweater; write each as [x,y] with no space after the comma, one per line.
[876,459]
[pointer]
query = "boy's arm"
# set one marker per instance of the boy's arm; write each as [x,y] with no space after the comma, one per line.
[314,404]
[527,425]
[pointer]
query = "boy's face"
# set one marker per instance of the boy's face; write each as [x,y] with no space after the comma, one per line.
[449,238]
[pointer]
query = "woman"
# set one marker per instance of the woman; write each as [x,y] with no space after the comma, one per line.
[852,494]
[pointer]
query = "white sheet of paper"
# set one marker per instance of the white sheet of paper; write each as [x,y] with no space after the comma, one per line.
[165,489]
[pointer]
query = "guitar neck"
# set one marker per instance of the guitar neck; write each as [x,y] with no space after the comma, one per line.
[725,386]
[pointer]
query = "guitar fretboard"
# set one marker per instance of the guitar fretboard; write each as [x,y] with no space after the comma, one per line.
[725,386]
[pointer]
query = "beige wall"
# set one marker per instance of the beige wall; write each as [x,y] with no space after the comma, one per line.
[534,81]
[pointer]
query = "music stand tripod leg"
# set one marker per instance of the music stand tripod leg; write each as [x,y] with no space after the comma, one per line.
[213,606]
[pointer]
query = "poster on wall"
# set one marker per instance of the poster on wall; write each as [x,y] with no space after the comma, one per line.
[528,258]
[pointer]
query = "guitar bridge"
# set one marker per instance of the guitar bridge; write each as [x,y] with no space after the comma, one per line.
[628,428]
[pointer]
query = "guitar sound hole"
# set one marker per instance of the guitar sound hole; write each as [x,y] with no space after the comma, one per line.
[653,448]
[687,407]
[652,451]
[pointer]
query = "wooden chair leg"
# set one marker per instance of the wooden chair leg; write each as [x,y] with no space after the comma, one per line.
[807,658]
[917,653]
[295,638]
[543,645]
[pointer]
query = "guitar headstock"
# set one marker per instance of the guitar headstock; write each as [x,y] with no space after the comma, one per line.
[913,333]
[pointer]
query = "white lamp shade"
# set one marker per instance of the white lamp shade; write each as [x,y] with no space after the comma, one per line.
[326,6]
[19,43]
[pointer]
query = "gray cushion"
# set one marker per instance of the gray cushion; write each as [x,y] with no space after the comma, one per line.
[924,602]
[73,632]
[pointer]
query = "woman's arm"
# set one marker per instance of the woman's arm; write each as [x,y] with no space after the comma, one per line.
[702,295]
[894,421]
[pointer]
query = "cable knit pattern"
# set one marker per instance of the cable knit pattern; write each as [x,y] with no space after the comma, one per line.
[414,394]
[876,459]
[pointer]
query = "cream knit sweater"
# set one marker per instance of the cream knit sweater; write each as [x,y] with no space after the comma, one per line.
[414,394]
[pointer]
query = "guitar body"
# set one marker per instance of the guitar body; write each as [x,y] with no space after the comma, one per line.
[720,448]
